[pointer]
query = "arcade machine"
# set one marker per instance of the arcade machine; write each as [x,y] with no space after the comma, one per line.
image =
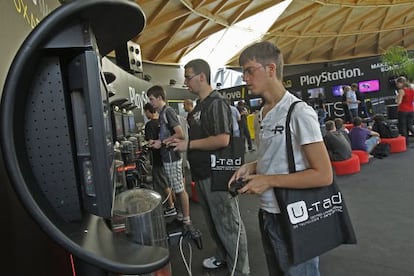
[57,142]
[133,155]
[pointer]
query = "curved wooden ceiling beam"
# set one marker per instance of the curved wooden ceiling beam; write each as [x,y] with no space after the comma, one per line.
[160,7]
[205,14]
[363,32]
[357,4]
[173,31]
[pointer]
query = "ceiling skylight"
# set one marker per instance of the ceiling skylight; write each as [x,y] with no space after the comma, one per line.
[218,48]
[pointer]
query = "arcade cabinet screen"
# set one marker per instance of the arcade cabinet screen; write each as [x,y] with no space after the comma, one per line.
[337,90]
[314,92]
[125,121]
[118,126]
[131,121]
[369,86]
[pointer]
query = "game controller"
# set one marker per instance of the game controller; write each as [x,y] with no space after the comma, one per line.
[195,235]
[236,185]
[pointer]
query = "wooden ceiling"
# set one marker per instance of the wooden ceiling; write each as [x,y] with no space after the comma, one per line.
[307,32]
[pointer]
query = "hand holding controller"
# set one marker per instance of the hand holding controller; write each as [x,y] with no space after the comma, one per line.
[236,185]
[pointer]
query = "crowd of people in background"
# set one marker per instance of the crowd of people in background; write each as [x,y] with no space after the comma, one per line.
[365,137]
[212,121]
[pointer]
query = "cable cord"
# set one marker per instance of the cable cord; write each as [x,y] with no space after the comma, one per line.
[238,237]
[187,265]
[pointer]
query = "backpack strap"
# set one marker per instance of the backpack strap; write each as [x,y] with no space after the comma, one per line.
[164,115]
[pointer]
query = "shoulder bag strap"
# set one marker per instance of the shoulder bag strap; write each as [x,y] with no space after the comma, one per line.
[289,149]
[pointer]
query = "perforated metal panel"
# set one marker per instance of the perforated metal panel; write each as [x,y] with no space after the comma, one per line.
[48,142]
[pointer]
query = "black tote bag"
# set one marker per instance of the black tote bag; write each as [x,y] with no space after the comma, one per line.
[225,162]
[315,220]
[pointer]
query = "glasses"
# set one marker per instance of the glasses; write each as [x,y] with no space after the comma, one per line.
[188,78]
[250,70]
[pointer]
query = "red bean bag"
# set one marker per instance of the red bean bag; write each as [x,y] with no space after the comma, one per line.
[397,144]
[363,156]
[349,126]
[349,166]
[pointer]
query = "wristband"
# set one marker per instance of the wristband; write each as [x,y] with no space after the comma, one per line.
[188,145]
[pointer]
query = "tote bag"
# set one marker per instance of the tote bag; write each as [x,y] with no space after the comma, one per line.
[225,162]
[315,220]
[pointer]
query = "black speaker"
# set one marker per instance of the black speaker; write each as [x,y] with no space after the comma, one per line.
[392,111]
[128,57]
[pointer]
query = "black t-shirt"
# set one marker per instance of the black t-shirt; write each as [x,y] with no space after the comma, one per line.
[152,130]
[210,117]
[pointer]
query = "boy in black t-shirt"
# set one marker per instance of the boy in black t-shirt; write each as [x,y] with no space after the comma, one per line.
[210,131]
[152,130]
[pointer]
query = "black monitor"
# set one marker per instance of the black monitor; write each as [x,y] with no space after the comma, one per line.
[93,135]
[117,126]
[56,135]
[125,123]
[131,123]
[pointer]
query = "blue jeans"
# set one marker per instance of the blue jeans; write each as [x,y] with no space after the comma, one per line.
[371,143]
[353,112]
[275,249]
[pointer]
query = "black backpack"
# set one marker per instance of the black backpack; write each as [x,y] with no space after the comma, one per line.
[393,130]
[386,130]
[381,150]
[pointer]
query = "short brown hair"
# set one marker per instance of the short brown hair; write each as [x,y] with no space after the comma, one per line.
[339,123]
[264,52]
[200,66]
[157,91]
[329,125]
[357,121]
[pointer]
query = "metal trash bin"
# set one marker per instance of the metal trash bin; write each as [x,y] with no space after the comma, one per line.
[141,210]
[119,176]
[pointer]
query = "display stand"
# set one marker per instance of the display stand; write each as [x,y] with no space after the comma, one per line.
[49,189]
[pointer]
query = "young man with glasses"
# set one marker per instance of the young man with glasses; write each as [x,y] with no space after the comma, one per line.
[262,71]
[210,130]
